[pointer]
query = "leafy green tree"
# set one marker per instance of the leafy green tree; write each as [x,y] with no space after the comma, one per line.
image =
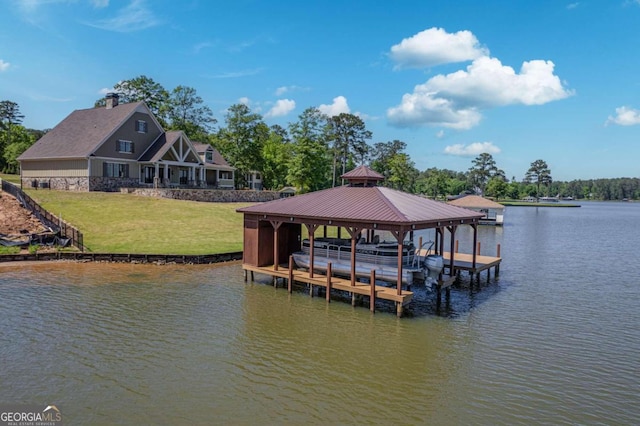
[142,88]
[497,188]
[484,168]
[242,140]
[10,116]
[348,135]
[187,112]
[513,190]
[21,139]
[276,153]
[540,174]
[310,162]
[382,153]
[403,173]
[433,182]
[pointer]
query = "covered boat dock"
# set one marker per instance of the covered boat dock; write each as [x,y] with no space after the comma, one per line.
[273,232]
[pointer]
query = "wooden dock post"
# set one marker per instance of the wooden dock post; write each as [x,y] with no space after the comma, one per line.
[245,275]
[328,295]
[498,265]
[372,297]
[478,248]
[457,244]
[290,284]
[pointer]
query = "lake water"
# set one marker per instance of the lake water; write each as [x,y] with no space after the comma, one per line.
[555,340]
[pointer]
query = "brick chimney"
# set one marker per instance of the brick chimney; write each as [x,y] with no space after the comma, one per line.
[112,100]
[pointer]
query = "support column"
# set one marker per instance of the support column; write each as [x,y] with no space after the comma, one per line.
[328,293]
[452,231]
[353,232]
[372,296]
[290,283]
[276,225]
[475,242]
[312,230]
[400,237]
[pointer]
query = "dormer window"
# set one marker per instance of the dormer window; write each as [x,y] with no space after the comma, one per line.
[141,126]
[208,156]
[125,146]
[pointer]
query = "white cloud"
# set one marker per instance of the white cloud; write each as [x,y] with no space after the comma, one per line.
[285,89]
[100,3]
[440,134]
[338,106]
[573,5]
[4,65]
[134,17]
[625,116]
[105,90]
[281,107]
[434,47]
[198,47]
[471,150]
[245,101]
[455,100]
[235,74]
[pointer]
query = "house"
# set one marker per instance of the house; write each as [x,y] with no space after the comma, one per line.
[218,173]
[493,212]
[254,180]
[116,146]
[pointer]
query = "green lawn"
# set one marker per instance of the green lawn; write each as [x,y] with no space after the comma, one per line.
[124,223]
[15,179]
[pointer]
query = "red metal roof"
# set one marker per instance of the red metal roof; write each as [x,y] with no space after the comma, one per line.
[362,172]
[363,204]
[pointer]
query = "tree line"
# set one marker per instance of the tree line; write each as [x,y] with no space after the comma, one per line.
[312,152]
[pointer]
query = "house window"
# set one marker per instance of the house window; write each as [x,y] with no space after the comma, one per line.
[208,156]
[125,146]
[226,175]
[141,126]
[116,170]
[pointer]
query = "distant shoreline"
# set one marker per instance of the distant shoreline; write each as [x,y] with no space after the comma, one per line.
[528,204]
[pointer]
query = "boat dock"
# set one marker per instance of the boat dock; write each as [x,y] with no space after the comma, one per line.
[464,262]
[330,282]
[291,275]
[376,221]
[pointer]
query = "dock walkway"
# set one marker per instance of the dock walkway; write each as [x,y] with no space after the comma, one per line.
[337,283]
[464,262]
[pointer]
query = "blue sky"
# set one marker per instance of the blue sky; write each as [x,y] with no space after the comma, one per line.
[522,80]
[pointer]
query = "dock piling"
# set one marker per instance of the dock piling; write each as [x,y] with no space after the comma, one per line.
[328,295]
[372,297]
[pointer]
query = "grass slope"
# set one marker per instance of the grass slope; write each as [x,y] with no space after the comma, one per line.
[124,223]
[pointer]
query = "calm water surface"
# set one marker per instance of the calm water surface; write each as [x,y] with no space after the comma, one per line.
[555,340]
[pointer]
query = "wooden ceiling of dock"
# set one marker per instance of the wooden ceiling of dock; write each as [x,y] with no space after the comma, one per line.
[364,205]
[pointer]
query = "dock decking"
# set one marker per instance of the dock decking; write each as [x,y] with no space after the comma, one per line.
[344,284]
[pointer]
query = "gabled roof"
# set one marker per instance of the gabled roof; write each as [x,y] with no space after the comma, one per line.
[217,157]
[162,145]
[476,202]
[363,204]
[78,135]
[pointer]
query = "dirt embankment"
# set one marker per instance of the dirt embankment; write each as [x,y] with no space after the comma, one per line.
[15,219]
